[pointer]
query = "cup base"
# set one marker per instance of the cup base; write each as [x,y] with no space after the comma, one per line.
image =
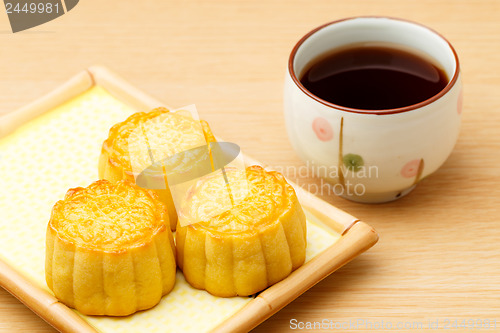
[379,197]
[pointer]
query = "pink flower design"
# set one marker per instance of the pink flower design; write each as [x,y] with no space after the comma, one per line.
[460,102]
[322,128]
[410,169]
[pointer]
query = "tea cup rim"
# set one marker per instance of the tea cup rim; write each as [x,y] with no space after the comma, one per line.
[408,108]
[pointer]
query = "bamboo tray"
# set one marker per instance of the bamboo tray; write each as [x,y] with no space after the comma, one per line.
[334,236]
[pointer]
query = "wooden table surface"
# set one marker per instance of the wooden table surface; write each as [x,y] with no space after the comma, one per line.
[439,249]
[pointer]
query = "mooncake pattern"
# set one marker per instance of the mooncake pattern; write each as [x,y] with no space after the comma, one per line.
[242,251]
[131,139]
[109,249]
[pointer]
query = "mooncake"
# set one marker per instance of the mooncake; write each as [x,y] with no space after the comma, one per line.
[109,249]
[123,156]
[257,242]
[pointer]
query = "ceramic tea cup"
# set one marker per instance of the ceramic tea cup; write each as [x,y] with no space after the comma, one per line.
[372,155]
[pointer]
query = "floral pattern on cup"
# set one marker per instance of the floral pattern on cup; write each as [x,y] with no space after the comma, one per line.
[322,128]
[353,162]
[414,168]
[410,169]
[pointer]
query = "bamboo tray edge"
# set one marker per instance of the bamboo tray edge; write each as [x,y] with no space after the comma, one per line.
[357,236]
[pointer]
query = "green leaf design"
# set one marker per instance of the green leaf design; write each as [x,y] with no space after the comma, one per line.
[353,162]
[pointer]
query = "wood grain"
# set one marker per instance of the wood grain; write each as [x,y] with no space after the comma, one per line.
[438,252]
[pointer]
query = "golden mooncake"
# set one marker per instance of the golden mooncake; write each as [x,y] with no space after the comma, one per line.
[130,146]
[254,244]
[109,249]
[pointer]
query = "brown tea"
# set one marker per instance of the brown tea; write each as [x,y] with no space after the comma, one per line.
[373,77]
